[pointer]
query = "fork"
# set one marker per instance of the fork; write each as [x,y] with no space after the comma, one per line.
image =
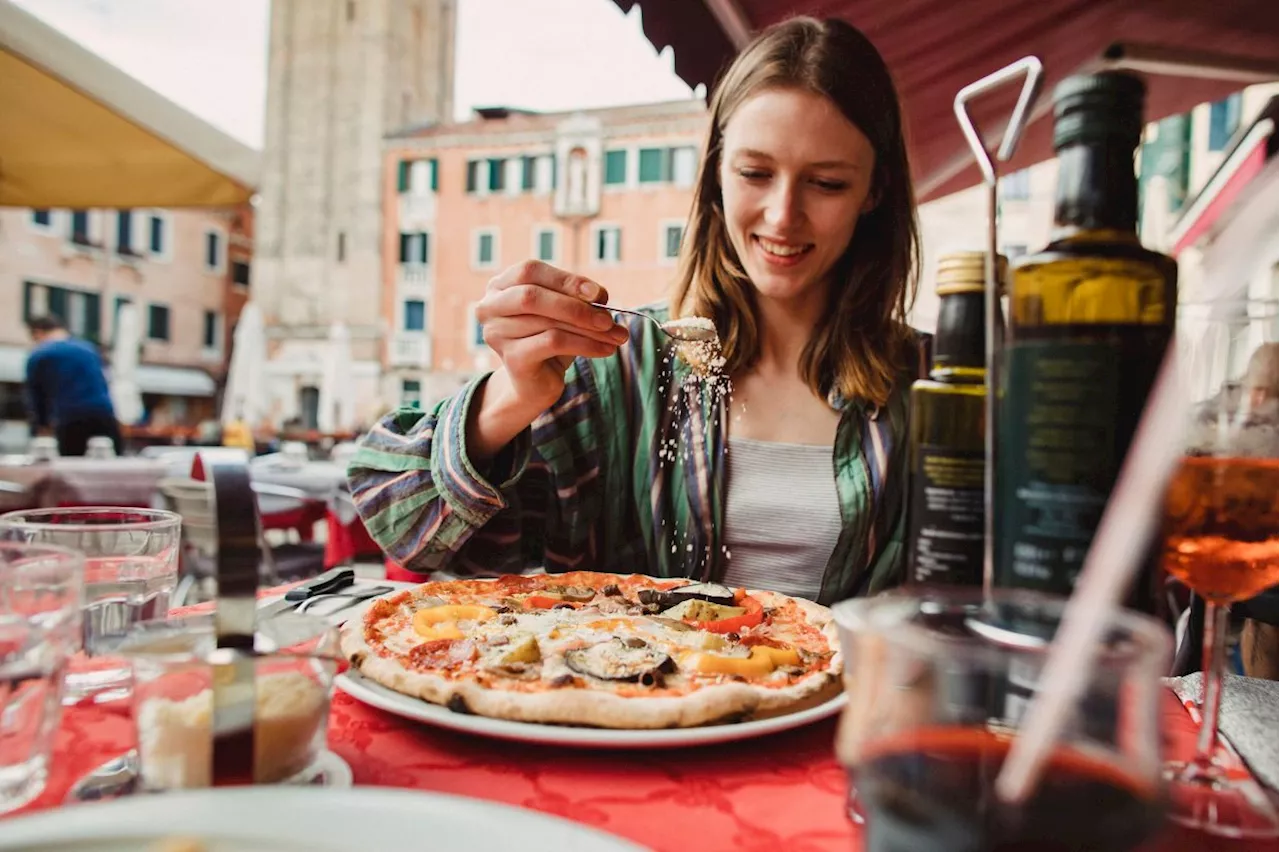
[683,333]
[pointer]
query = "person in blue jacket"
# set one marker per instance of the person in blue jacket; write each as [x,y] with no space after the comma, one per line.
[67,392]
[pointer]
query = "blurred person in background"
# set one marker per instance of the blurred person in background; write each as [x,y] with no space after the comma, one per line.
[67,394]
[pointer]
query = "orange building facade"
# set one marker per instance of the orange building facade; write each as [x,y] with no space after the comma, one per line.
[604,193]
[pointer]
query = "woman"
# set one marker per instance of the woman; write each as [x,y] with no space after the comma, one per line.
[590,449]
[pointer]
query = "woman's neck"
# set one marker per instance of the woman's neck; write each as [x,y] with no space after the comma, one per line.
[785,329]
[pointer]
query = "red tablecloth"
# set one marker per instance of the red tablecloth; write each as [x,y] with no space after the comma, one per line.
[784,792]
[345,542]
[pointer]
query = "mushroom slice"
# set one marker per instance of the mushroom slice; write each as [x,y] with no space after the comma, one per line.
[615,660]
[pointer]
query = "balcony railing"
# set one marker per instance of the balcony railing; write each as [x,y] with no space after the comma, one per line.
[415,278]
[410,349]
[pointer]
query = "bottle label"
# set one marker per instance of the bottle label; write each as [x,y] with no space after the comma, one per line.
[946,516]
[1057,458]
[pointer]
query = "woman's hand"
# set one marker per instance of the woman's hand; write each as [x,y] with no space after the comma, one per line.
[538,319]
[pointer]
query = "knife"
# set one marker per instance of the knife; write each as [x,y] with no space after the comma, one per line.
[334,580]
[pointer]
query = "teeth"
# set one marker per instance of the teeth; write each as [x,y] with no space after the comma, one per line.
[779,249]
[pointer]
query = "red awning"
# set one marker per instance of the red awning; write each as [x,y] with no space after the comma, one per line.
[936,47]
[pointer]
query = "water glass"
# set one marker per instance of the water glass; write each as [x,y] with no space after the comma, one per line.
[131,570]
[41,593]
[176,663]
[938,682]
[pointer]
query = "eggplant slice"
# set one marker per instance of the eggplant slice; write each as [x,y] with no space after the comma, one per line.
[616,660]
[709,592]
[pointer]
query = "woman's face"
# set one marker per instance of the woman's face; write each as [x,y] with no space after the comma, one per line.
[795,175]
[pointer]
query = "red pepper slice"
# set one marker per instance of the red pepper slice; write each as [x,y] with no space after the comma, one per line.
[541,602]
[754,615]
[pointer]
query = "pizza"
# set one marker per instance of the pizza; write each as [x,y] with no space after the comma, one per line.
[604,650]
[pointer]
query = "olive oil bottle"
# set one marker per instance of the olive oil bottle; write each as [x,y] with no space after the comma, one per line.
[1090,318]
[948,427]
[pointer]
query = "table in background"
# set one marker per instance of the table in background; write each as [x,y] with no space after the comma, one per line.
[127,481]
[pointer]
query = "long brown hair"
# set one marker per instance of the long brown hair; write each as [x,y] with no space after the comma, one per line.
[862,342]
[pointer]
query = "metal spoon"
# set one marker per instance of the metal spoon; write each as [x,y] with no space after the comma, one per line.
[684,333]
[116,777]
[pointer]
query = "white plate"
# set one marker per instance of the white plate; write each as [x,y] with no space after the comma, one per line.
[287,819]
[376,695]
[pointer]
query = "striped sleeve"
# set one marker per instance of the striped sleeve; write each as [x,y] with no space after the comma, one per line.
[417,491]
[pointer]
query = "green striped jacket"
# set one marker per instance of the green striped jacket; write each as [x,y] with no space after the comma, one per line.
[625,473]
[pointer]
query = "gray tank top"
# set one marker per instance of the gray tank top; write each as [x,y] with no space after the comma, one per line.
[781,514]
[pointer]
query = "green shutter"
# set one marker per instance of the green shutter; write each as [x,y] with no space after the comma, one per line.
[652,162]
[615,167]
[93,316]
[435,174]
[497,175]
[528,172]
[28,286]
[402,179]
[473,170]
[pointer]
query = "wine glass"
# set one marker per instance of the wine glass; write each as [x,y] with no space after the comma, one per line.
[938,681]
[1220,528]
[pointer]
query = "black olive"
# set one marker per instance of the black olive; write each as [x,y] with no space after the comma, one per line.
[653,679]
[611,591]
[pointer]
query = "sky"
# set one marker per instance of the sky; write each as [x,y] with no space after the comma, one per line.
[209,56]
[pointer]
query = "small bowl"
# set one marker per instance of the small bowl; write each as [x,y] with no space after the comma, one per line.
[284,708]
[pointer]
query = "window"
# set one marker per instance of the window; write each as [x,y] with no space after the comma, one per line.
[80,227]
[654,165]
[42,219]
[156,235]
[212,251]
[81,312]
[485,255]
[411,393]
[684,165]
[528,173]
[415,315]
[415,247]
[342,246]
[1016,185]
[124,232]
[157,322]
[473,175]
[418,176]
[497,173]
[1224,120]
[240,273]
[544,244]
[211,330]
[615,167]
[607,244]
[671,236]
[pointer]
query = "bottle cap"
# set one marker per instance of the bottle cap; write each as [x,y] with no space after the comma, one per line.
[1108,104]
[965,272]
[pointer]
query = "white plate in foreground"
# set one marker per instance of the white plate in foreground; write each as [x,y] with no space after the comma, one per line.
[376,695]
[287,819]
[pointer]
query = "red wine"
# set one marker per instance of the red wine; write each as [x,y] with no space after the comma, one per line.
[932,790]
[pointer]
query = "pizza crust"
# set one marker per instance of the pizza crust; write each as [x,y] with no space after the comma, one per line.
[729,701]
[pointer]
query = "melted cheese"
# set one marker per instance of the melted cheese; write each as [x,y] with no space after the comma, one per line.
[441,622]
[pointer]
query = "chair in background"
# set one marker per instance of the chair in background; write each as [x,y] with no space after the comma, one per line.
[281,563]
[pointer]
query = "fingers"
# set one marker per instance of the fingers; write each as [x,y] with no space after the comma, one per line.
[504,328]
[536,300]
[539,274]
[554,343]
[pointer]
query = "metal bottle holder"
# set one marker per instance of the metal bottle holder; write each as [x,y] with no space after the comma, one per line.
[1031,71]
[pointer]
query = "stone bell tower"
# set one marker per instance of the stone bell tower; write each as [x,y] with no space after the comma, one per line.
[341,75]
